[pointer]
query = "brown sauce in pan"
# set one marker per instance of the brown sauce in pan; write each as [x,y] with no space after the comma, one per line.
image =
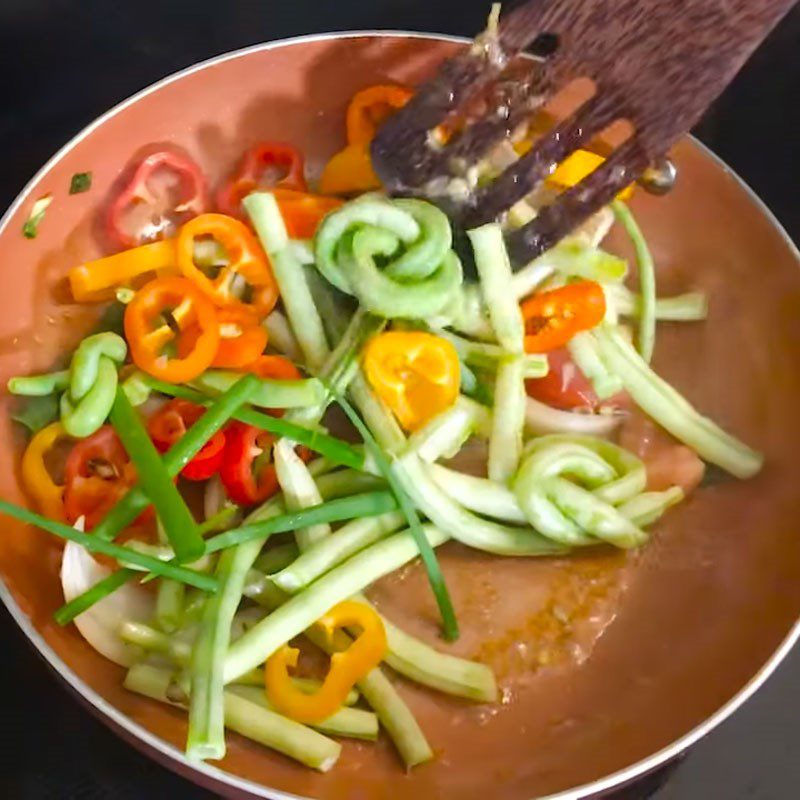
[603,659]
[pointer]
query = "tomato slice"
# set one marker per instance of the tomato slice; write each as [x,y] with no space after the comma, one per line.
[564,386]
[170,423]
[97,474]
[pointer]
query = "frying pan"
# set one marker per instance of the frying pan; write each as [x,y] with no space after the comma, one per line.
[610,664]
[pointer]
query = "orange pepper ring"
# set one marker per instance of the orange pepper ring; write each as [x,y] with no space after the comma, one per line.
[246,259]
[146,342]
[362,121]
[346,669]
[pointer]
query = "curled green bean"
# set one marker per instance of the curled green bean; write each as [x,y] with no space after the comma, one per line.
[39,385]
[420,273]
[84,417]
[85,367]
[87,402]
[568,487]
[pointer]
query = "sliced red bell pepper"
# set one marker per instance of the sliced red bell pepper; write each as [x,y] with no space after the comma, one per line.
[268,165]
[97,474]
[247,471]
[170,423]
[141,213]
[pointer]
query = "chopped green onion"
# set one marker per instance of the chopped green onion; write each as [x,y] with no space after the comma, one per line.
[435,577]
[173,513]
[30,229]
[80,182]
[96,545]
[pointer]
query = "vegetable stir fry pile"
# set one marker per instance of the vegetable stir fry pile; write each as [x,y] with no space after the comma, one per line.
[246,313]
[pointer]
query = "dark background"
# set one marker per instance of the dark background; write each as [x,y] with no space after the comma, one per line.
[66,61]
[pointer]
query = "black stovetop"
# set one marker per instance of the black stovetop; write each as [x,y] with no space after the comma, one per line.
[65,63]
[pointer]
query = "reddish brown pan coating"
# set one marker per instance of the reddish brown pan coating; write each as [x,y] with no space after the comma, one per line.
[685,623]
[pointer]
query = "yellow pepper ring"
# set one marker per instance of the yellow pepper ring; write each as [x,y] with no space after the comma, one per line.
[416,374]
[46,493]
[346,669]
[575,167]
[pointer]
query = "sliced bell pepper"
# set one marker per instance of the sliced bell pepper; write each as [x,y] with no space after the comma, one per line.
[553,318]
[370,108]
[350,170]
[137,215]
[347,667]
[247,472]
[171,422]
[161,312]
[575,167]
[90,281]
[416,374]
[242,338]
[245,257]
[269,165]
[273,367]
[97,474]
[36,477]
[302,212]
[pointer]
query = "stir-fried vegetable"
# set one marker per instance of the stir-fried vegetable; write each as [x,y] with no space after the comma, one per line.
[222,320]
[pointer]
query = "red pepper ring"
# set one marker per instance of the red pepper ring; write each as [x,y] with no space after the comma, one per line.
[245,446]
[245,259]
[97,474]
[258,161]
[170,423]
[194,199]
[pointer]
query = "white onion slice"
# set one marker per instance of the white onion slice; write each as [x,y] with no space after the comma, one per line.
[541,419]
[100,624]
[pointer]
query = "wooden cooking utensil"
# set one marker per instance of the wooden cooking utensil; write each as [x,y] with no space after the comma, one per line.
[658,64]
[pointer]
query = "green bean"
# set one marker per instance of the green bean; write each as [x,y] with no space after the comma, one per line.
[423,664]
[361,505]
[508,419]
[299,491]
[269,394]
[394,715]
[247,718]
[206,737]
[336,548]
[304,318]
[569,513]
[647,280]
[423,274]
[469,529]
[672,411]
[302,610]
[39,385]
[354,723]
[494,270]
[83,417]
[85,367]
[96,545]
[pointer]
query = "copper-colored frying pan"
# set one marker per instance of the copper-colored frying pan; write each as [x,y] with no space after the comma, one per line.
[610,664]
